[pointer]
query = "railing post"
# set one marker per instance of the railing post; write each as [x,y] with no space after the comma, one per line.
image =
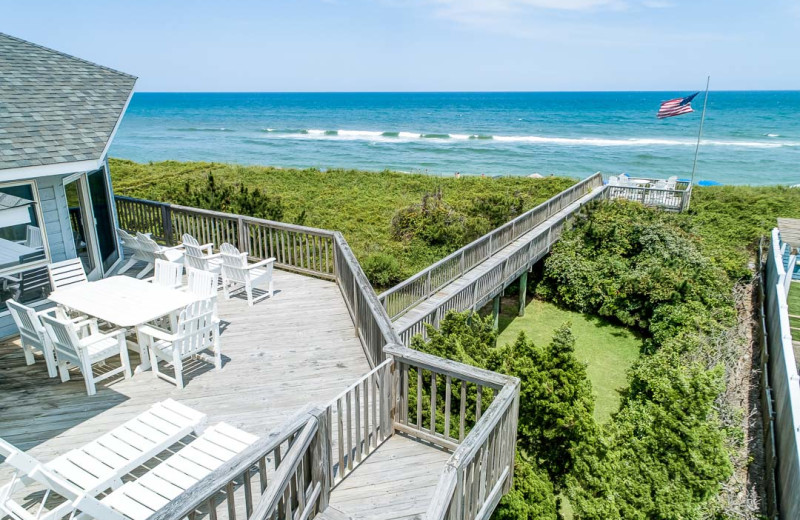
[523,288]
[166,223]
[244,244]
[429,288]
[321,451]
[462,262]
[355,303]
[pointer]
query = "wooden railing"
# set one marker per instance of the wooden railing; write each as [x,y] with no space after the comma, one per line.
[406,295]
[672,200]
[359,420]
[296,248]
[241,480]
[373,326]
[319,447]
[466,409]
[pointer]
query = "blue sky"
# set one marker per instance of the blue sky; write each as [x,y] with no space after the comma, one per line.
[425,45]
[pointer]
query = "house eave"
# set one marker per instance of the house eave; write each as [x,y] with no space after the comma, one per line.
[47,170]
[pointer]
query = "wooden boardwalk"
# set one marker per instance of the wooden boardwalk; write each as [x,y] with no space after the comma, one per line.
[790,231]
[397,481]
[427,306]
[279,355]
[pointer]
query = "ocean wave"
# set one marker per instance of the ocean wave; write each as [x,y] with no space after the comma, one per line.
[395,136]
[196,129]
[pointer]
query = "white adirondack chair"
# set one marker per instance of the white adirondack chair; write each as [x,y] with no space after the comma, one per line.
[196,331]
[101,464]
[240,275]
[167,274]
[130,243]
[33,336]
[33,237]
[151,252]
[201,256]
[66,274]
[85,352]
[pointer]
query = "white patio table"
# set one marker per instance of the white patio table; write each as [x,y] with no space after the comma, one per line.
[125,302]
[11,251]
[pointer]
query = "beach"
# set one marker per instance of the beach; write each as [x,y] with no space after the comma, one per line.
[750,137]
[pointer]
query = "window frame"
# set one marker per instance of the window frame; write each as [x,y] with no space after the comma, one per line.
[40,217]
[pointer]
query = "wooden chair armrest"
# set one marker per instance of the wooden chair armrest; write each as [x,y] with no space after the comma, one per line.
[209,247]
[173,248]
[100,336]
[213,255]
[262,263]
[154,332]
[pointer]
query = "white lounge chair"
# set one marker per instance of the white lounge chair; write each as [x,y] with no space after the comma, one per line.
[197,330]
[130,243]
[101,464]
[167,274]
[237,272]
[85,352]
[151,251]
[200,256]
[33,336]
[67,273]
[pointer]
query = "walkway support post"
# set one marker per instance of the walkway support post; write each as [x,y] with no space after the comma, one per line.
[496,311]
[523,290]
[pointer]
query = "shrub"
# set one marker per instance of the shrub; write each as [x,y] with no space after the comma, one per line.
[531,497]
[497,208]
[229,198]
[433,221]
[383,270]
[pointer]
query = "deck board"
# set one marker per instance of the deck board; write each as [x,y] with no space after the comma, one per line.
[298,347]
[396,481]
[790,231]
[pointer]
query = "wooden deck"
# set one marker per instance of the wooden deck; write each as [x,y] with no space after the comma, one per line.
[298,347]
[397,481]
[790,231]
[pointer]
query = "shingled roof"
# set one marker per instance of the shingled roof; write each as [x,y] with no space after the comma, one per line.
[55,108]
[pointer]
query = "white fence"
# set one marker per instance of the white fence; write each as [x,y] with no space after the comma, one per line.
[785,383]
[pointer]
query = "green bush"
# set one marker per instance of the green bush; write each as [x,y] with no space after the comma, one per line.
[228,198]
[383,270]
[531,497]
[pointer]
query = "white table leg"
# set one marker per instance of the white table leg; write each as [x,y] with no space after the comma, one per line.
[144,354]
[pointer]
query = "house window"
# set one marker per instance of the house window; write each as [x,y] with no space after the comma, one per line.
[23,245]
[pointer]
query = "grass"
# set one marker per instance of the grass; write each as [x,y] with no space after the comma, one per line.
[794,309]
[607,349]
[358,203]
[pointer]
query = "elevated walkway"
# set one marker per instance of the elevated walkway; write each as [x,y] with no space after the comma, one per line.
[475,274]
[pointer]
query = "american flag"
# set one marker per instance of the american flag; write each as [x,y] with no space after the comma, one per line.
[676,107]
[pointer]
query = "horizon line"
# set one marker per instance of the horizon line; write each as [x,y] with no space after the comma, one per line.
[446,91]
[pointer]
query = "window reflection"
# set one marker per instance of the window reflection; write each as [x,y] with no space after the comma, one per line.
[22,243]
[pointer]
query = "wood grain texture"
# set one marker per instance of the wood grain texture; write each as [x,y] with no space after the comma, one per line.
[279,355]
[396,481]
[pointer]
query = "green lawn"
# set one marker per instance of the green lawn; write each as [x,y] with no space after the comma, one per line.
[794,309]
[607,349]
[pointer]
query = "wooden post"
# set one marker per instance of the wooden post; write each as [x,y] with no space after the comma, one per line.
[321,458]
[523,289]
[166,222]
[496,312]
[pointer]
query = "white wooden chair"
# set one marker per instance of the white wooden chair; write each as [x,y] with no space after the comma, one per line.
[33,237]
[167,274]
[200,256]
[66,274]
[237,272]
[85,352]
[196,331]
[151,252]
[203,285]
[100,465]
[133,247]
[33,336]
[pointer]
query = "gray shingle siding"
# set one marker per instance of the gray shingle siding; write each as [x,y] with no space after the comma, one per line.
[55,108]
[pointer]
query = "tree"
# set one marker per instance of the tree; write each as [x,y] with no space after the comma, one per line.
[531,497]
[662,455]
[556,403]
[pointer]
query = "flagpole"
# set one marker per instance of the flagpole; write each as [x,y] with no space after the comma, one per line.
[700,132]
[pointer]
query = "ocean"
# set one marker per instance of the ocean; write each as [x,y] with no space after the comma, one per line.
[750,137]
